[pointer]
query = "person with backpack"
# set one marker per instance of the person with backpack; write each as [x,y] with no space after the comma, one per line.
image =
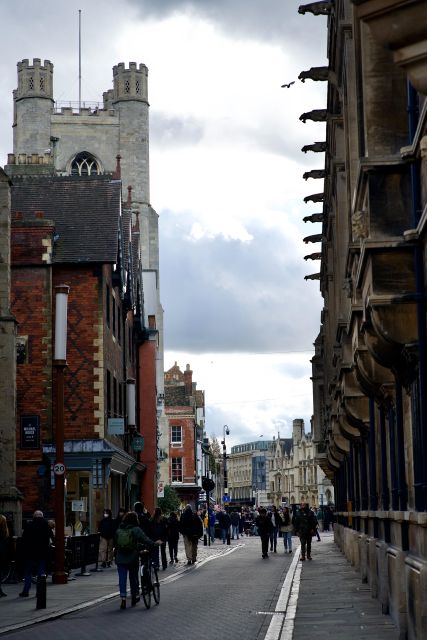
[127,539]
[191,528]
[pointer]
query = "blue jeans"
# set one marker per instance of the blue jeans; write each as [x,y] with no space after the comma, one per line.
[212,532]
[287,540]
[273,539]
[122,570]
[33,566]
[235,531]
[224,533]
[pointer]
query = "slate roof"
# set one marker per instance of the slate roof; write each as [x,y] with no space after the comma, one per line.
[86,212]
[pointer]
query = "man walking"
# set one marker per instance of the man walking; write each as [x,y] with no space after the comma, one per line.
[235,524]
[35,549]
[305,528]
[224,522]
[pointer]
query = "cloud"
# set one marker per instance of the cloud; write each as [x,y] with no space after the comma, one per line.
[271,20]
[229,295]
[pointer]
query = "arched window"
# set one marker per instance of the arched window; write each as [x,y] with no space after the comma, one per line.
[84,164]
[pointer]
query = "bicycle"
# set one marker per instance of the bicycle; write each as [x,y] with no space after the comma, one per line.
[149,579]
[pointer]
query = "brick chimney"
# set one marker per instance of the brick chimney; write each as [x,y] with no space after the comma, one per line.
[188,381]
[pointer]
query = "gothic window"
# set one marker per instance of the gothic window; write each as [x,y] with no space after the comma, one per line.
[31,83]
[138,90]
[85,165]
[127,86]
[41,83]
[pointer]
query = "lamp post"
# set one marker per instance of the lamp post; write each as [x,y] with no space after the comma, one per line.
[226,431]
[60,362]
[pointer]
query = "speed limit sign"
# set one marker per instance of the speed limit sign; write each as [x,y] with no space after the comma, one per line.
[59,468]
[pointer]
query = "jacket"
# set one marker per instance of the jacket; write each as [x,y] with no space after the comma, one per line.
[305,523]
[190,525]
[277,519]
[224,520]
[264,525]
[235,518]
[107,528]
[36,540]
[139,538]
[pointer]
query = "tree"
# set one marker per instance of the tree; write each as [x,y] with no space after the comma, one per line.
[215,455]
[170,502]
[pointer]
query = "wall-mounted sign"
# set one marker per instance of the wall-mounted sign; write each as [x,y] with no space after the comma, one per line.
[116,426]
[30,432]
[160,490]
[138,443]
[78,505]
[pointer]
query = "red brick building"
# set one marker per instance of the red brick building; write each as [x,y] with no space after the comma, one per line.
[75,231]
[185,407]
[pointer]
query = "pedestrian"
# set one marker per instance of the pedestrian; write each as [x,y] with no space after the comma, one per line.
[143,517]
[172,532]
[305,527]
[126,540]
[158,532]
[326,519]
[212,523]
[4,551]
[235,524]
[313,511]
[35,549]
[191,528]
[264,528]
[119,518]
[106,531]
[287,529]
[276,521]
[224,522]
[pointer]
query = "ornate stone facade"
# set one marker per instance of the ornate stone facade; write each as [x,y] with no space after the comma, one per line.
[369,368]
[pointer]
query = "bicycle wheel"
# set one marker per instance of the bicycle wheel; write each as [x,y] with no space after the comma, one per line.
[156,584]
[146,586]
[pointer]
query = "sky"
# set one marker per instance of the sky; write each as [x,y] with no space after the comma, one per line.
[226,172]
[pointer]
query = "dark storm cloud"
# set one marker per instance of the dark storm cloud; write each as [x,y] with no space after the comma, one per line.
[276,21]
[221,295]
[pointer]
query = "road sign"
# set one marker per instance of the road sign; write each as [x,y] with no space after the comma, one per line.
[138,443]
[59,468]
[226,498]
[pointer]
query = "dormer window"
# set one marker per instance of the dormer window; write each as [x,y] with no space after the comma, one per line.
[84,164]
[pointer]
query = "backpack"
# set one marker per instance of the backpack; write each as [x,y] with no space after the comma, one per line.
[125,540]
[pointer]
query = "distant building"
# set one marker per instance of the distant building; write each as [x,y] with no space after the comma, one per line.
[294,475]
[185,412]
[247,470]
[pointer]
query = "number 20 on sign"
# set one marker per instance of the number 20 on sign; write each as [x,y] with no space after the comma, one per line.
[59,469]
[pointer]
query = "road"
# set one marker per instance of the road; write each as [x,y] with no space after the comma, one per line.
[233,595]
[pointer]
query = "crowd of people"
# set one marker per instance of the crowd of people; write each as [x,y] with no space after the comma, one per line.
[121,537]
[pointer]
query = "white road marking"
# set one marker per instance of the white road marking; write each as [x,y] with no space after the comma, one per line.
[286,603]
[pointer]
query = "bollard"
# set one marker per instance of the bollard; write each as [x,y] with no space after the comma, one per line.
[228,538]
[41,592]
[205,540]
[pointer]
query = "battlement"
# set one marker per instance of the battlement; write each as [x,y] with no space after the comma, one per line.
[29,158]
[34,80]
[129,84]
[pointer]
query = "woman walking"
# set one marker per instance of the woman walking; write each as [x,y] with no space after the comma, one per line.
[172,530]
[106,531]
[287,529]
[126,540]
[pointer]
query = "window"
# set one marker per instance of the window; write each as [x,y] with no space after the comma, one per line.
[41,83]
[114,316]
[84,164]
[176,435]
[127,86]
[176,469]
[31,83]
[108,394]
[115,397]
[107,304]
[137,86]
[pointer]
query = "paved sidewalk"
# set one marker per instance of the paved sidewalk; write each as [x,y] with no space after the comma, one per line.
[333,602]
[83,591]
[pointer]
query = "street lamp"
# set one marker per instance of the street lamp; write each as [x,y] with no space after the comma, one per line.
[226,431]
[60,362]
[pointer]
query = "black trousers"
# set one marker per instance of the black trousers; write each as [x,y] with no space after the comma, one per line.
[305,543]
[265,538]
[173,549]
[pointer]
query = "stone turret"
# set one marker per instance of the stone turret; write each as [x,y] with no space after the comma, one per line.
[130,84]
[297,430]
[33,105]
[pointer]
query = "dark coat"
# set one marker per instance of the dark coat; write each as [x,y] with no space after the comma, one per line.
[172,528]
[224,520]
[158,529]
[36,540]
[139,538]
[305,523]
[107,528]
[190,525]
[264,525]
[277,519]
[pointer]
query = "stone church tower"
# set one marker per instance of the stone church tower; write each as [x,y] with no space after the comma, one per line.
[94,139]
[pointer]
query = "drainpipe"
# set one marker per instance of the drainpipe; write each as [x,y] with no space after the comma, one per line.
[373,500]
[420,425]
